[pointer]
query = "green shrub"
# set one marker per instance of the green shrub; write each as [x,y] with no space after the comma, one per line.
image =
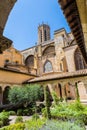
[57,125]
[35,116]
[4,118]
[55,98]
[44,112]
[1,123]
[25,112]
[19,112]
[35,124]
[74,112]
[12,113]
[19,119]
[18,126]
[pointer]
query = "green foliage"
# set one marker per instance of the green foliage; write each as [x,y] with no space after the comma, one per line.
[26,94]
[74,112]
[77,93]
[43,124]
[55,98]
[57,125]
[17,126]
[19,119]
[35,124]
[47,102]
[26,112]
[35,116]
[4,118]
[1,124]
[12,113]
[19,112]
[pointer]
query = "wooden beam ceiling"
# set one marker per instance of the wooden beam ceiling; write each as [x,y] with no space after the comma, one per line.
[71,13]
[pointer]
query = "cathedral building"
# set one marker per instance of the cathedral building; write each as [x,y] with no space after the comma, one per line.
[57,55]
[47,59]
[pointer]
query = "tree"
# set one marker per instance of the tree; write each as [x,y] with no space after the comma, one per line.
[25,94]
[47,101]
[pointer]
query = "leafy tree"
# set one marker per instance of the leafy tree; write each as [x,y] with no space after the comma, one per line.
[25,94]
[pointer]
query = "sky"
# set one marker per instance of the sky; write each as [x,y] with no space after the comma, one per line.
[25,17]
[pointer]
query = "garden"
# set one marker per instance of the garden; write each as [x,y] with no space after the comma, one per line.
[47,110]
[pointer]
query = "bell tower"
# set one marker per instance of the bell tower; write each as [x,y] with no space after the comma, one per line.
[43,33]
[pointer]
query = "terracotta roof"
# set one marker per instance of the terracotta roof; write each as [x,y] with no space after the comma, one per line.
[59,76]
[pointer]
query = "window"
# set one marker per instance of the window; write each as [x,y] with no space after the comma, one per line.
[48,67]
[41,35]
[61,68]
[30,61]
[79,63]
[6,61]
[16,62]
[45,35]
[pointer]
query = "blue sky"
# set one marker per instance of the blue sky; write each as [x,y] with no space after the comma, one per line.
[25,17]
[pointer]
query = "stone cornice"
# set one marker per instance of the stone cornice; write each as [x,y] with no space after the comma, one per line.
[5,43]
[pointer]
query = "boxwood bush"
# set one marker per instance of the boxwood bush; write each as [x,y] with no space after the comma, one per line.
[4,118]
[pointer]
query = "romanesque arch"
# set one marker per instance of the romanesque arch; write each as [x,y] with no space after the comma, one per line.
[29,62]
[5,95]
[79,62]
[69,89]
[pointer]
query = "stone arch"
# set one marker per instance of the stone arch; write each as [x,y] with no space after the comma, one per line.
[79,62]
[47,66]
[1,95]
[50,50]
[49,92]
[60,90]
[29,61]
[69,90]
[82,89]
[42,95]
[5,95]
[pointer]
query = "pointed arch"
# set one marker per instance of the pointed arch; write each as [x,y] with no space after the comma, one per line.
[79,62]
[49,50]
[30,61]
[48,67]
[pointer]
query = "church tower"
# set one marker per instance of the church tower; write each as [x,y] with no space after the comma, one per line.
[43,33]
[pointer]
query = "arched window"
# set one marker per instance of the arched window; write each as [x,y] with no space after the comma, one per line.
[30,61]
[48,67]
[45,35]
[16,62]
[50,50]
[6,61]
[61,67]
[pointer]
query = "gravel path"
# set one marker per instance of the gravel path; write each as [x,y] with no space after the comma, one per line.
[12,118]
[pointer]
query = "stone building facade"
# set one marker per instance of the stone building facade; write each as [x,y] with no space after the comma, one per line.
[57,55]
[50,57]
